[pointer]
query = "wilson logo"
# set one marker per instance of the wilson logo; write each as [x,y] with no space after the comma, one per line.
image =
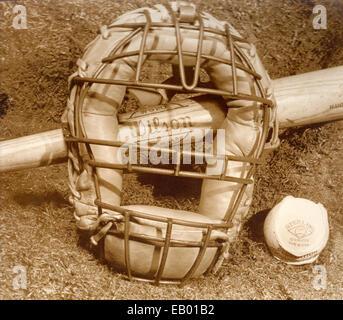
[156,128]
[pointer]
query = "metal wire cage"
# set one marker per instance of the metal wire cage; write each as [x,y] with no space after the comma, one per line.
[186,18]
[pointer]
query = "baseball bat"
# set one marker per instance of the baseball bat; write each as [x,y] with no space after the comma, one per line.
[303,99]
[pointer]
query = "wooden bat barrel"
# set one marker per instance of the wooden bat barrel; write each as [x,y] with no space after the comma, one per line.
[311,97]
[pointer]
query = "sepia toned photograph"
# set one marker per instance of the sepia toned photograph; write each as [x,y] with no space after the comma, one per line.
[155,150]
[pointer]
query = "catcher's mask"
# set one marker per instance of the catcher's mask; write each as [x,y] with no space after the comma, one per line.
[196,55]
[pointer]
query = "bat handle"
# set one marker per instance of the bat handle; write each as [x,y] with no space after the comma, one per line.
[37,150]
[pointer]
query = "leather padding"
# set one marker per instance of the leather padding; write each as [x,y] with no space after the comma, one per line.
[145,258]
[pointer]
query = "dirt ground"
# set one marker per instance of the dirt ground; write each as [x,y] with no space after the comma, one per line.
[37,228]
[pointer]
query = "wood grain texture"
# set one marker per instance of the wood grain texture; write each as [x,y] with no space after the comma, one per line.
[37,150]
[310,97]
